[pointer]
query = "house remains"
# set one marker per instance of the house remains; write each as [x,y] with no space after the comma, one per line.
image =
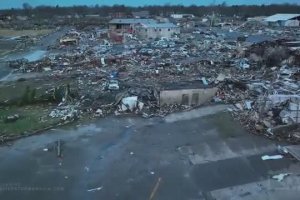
[157,30]
[195,94]
[127,25]
[283,20]
[143,28]
[180,16]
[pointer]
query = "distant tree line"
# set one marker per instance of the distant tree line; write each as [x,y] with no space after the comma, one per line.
[222,9]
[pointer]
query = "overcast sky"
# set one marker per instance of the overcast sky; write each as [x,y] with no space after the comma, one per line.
[18,3]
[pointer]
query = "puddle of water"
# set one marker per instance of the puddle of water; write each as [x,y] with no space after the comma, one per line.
[196,113]
[35,56]
[31,56]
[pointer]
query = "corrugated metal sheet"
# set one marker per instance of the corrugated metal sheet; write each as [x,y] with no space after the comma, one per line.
[160,25]
[132,21]
[281,17]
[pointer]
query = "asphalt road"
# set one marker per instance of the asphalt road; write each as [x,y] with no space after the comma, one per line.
[199,157]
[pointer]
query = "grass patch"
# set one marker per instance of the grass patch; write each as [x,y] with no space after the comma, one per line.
[15,90]
[32,118]
[15,33]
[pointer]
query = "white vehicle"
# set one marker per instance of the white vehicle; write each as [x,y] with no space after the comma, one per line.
[113,85]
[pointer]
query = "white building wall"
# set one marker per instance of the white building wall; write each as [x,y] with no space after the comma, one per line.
[176,96]
[158,32]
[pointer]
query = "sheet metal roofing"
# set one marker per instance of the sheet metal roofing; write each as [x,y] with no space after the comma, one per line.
[132,21]
[281,17]
[159,25]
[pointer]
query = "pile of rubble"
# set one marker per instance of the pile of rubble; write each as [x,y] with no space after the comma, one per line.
[69,112]
[260,78]
[268,102]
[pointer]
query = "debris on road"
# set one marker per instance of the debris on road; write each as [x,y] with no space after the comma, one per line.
[87,169]
[95,189]
[59,148]
[274,157]
[280,177]
[154,191]
[293,150]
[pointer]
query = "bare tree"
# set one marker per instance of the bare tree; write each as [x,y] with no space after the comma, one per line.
[26,6]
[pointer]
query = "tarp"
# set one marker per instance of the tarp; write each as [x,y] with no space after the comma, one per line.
[129,103]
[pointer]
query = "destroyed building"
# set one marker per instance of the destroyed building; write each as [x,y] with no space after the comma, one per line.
[283,20]
[180,16]
[186,94]
[127,25]
[143,28]
[157,30]
[247,67]
[5,17]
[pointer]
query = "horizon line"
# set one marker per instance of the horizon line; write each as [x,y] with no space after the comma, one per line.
[149,5]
